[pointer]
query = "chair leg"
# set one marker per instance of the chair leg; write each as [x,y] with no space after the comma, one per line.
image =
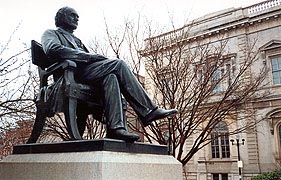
[82,116]
[81,122]
[37,127]
[70,118]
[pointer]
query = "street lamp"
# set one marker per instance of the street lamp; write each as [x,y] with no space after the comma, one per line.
[240,165]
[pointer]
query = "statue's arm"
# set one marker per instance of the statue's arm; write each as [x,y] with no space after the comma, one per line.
[54,48]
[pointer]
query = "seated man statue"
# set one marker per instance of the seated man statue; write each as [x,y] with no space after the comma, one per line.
[113,74]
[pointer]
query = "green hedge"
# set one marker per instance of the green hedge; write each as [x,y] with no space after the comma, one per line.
[273,175]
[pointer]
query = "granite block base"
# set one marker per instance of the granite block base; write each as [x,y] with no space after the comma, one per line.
[90,165]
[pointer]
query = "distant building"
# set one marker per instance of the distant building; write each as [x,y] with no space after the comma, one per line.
[13,136]
[262,149]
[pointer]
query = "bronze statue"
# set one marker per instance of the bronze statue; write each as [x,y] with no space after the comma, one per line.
[113,75]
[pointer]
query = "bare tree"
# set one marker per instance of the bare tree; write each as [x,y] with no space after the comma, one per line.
[55,129]
[206,83]
[17,89]
[122,42]
[94,129]
[16,84]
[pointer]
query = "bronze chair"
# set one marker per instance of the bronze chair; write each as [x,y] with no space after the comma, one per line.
[61,96]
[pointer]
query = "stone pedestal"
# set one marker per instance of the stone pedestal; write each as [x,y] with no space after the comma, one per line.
[130,163]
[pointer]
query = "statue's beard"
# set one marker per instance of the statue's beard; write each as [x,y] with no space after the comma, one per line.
[68,26]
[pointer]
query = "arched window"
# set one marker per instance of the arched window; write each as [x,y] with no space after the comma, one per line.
[220,141]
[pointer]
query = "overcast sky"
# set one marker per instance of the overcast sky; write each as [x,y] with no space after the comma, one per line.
[36,16]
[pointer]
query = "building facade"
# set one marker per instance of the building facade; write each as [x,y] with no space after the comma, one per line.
[259,150]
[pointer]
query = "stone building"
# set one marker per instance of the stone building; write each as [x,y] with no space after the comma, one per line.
[261,151]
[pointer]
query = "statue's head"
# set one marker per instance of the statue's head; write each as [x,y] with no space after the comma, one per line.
[67,18]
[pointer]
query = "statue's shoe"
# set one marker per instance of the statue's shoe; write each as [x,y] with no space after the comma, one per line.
[158,114]
[122,134]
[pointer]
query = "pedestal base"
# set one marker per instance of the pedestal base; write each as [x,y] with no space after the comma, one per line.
[93,165]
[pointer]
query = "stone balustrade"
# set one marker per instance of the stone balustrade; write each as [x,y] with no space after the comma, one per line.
[263,6]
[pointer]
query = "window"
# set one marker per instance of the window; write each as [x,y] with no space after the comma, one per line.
[220,141]
[276,70]
[228,73]
[200,75]
[166,79]
[221,70]
[220,176]
[217,81]
[216,177]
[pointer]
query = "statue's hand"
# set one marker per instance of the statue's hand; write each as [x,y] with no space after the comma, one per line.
[97,57]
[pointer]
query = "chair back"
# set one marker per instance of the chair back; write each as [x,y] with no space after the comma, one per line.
[39,58]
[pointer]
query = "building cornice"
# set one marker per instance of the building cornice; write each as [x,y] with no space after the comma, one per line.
[220,23]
